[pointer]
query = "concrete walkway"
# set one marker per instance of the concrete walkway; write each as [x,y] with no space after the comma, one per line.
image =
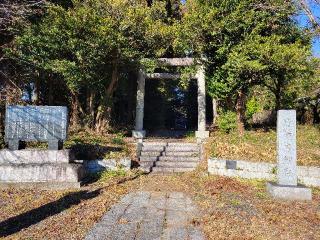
[149,215]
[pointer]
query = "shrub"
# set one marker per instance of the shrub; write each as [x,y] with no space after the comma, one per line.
[252,107]
[227,121]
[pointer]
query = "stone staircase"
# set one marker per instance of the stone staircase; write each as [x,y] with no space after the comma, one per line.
[172,157]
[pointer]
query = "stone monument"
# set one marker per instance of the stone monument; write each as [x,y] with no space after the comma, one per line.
[52,168]
[36,123]
[287,186]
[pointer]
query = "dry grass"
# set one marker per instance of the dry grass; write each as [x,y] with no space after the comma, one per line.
[35,214]
[259,145]
[231,208]
[238,209]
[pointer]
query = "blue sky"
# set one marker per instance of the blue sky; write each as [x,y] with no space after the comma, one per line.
[303,21]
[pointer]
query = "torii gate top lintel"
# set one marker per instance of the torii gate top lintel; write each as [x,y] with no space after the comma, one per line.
[172,62]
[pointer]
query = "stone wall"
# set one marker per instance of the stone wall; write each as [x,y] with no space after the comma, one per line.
[251,170]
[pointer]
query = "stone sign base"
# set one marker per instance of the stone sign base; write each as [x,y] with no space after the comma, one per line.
[40,185]
[202,134]
[286,192]
[139,134]
[32,168]
[34,156]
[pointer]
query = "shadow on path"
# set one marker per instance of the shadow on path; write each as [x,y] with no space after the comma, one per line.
[24,220]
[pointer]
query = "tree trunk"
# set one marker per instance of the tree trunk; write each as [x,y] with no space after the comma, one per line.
[241,109]
[36,97]
[277,94]
[278,101]
[214,111]
[104,110]
[316,114]
[50,93]
[75,119]
[91,107]
[131,99]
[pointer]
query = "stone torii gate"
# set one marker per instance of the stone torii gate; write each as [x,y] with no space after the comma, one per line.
[201,134]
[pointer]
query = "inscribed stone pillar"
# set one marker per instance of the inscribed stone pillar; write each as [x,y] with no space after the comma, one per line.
[287,186]
[286,147]
[201,133]
[139,132]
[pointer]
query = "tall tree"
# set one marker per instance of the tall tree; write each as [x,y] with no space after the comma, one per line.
[89,45]
[247,43]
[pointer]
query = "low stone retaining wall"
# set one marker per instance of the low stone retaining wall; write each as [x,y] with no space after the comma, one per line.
[39,168]
[309,176]
[94,166]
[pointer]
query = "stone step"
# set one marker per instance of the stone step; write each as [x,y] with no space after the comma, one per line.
[152,148]
[145,169]
[179,158]
[171,170]
[180,154]
[182,149]
[182,144]
[36,156]
[163,144]
[147,159]
[41,172]
[176,164]
[147,164]
[150,154]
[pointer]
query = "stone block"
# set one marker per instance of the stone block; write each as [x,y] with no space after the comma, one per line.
[182,148]
[152,148]
[95,166]
[14,144]
[35,156]
[202,134]
[62,172]
[303,171]
[313,172]
[55,145]
[181,154]
[310,181]
[255,167]
[139,134]
[40,185]
[287,192]
[216,163]
[125,163]
[286,147]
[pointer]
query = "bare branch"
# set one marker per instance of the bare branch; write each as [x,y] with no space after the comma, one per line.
[13,11]
[305,6]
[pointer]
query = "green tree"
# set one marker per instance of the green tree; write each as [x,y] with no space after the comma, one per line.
[248,43]
[90,45]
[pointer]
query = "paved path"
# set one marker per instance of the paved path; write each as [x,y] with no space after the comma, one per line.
[149,215]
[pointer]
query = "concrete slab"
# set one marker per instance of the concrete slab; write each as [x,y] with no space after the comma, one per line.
[287,192]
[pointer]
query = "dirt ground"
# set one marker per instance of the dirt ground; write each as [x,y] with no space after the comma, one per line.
[232,208]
